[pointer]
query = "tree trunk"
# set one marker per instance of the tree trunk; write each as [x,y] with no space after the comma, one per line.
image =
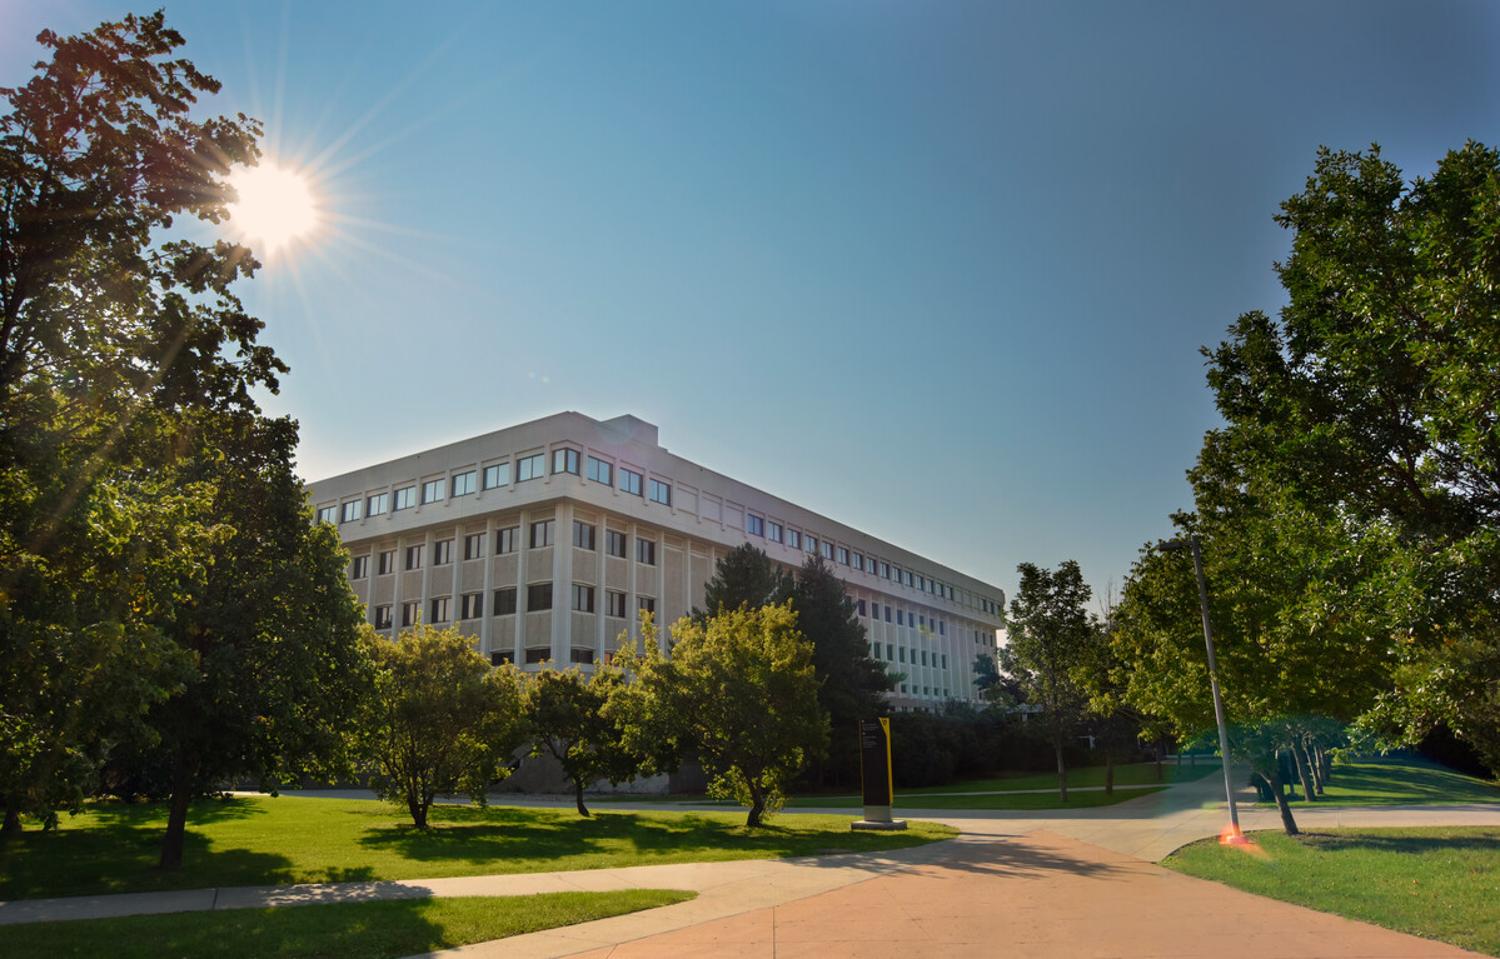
[12,827]
[1062,769]
[1160,746]
[1109,774]
[418,810]
[1282,806]
[1313,766]
[182,794]
[578,797]
[757,807]
[1304,774]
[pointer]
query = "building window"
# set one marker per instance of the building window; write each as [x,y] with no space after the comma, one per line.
[531,467]
[900,615]
[870,564]
[349,512]
[924,657]
[505,601]
[827,550]
[386,563]
[540,654]
[860,605]
[583,598]
[465,483]
[601,472]
[406,497]
[645,551]
[945,660]
[541,533]
[582,655]
[328,514]
[646,604]
[502,657]
[377,505]
[890,652]
[538,597]
[614,603]
[794,539]
[409,613]
[442,552]
[432,491]
[382,617]
[874,650]
[471,606]
[885,570]
[360,567]
[754,525]
[474,546]
[810,543]
[888,612]
[857,561]
[630,481]
[505,540]
[614,543]
[565,461]
[440,610]
[661,493]
[413,557]
[902,653]
[906,577]
[497,475]
[773,531]
[843,556]
[942,628]
[583,535]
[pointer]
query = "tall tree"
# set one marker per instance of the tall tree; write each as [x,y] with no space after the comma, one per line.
[1374,397]
[441,719]
[741,690]
[851,684]
[570,719]
[119,350]
[745,576]
[1050,630]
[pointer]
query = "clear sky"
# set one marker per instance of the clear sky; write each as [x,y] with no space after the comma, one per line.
[938,270]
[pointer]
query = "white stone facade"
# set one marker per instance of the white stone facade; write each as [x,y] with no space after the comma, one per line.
[459,534]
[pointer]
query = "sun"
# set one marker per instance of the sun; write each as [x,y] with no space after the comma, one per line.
[276,205]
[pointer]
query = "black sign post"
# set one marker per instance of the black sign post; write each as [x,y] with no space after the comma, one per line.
[876,781]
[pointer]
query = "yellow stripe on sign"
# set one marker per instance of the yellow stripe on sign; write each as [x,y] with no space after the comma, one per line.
[890,780]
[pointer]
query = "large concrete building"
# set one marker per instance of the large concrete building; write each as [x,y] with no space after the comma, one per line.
[544,540]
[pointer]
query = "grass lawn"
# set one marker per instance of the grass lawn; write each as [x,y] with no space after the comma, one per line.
[1439,882]
[370,930]
[1397,780]
[260,840]
[1048,800]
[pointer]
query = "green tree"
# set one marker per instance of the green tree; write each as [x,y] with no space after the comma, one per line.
[267,618]
[851,685]
[1374,399]
[745,576]
[440,720]
[570,718]
[1050,630]
[741,690]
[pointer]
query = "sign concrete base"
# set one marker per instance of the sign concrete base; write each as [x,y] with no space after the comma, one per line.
[879,825]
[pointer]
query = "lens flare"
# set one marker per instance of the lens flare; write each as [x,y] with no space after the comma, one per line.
[276,205]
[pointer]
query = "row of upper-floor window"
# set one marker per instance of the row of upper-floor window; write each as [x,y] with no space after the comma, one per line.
[506,540]
[568,460]
[504,602]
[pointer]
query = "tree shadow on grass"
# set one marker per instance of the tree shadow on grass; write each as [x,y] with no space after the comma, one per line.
[154,815]
[375,929]
[123,858]
[1475,840]
[516,834]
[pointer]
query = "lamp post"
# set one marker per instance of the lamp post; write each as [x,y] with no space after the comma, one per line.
[1235,836]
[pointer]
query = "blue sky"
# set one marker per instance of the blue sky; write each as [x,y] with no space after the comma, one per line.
[940,271]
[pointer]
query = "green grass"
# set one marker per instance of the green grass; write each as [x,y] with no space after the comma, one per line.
[369,930]
[1398,781]
[260,840]
[1049,800]
[1438,882]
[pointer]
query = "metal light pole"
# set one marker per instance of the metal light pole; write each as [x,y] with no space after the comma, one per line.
[1235,835]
